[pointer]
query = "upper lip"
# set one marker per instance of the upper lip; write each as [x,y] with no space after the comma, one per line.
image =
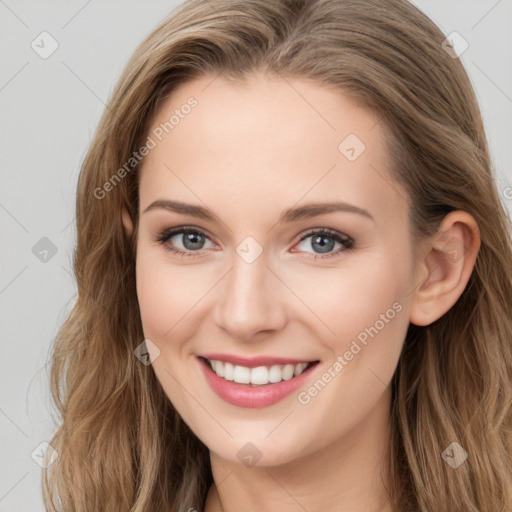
[253,362]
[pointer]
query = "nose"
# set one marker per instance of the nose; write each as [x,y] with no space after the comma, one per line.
[250,300]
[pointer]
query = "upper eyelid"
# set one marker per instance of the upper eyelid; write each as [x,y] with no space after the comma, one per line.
[168,233]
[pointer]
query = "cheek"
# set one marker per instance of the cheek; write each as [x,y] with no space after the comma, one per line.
[169,297]
[361,321]
[364,322]
[343,301]
[168,294]
[155,300]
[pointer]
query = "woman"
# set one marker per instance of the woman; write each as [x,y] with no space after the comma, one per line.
[224,353]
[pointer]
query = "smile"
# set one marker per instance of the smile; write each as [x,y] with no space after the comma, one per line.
[260,376]
[255,385]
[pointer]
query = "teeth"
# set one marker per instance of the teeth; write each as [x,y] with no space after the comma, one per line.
[260,375]
[299,368]
[229,370]
[288,371]
[242,375]
[275,374]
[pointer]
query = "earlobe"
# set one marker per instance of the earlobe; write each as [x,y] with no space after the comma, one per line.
[445,268]
[127,222]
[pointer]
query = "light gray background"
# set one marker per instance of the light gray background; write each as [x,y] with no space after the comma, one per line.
[50,109]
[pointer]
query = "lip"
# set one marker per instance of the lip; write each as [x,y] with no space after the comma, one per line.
[253,362]
[244,395]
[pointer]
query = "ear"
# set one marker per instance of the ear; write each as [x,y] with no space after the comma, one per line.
[127,222]
[445,267]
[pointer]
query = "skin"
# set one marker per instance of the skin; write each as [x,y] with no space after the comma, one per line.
[248,151]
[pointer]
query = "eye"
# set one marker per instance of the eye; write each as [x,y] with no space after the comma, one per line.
[191,239]
[324,241]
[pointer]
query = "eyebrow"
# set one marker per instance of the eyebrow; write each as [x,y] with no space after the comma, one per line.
[304,212]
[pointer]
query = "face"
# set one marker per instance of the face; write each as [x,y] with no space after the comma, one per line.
[256,278]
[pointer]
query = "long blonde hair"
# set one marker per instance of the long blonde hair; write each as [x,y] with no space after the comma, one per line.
[121,445]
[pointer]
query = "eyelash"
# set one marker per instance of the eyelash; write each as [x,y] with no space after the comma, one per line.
[164,236]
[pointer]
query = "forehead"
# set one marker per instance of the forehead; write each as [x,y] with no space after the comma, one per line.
[267,142]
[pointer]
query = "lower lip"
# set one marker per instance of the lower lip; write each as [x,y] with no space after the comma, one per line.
[244,395]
